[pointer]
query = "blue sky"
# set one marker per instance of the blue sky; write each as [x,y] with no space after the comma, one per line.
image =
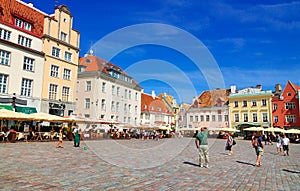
[252,42]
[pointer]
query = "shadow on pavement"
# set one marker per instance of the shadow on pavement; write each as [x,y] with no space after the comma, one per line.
[190,163]
[291,171]
[245,163]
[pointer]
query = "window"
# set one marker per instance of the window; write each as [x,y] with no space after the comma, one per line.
[276,119]
[254,117]
[290,105]
[254,103]
[264,102]
[196,118]
[236,117]
[113,90]
[68,56]
[87,103]
[213,118]
[4,57]
[245,117]
[63,36]
[236,104]
[129,108]
[3,83]
[27,26]
[117,107]
[54,71]
[289,94]
[4,34]
[18,22]
[118,91]
[244,103]
[103,104]
[191,118]
[103,87]
[201,117]
[113,107]
[207,117]
[136,96]
[226,118]
[67,74]
[265,117]
[290,118]
[219,118]
[28,64]
[56,52]
[129,94]
[53,91]
[136,110]
[88,86]
[275,106]
[65,94]
[26,88]
[125,108]
[126,93]
[24,41]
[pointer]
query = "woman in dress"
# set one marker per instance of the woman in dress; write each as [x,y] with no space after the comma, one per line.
[60,138]
[229,143]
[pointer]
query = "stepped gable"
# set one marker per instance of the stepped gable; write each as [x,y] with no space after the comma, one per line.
[150,104]
[9,9]
[94,64]
[212,98]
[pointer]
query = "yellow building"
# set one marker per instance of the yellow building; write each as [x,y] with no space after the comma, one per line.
[61,48]
[250,107]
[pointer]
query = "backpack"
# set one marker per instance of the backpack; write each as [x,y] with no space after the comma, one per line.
[255,141]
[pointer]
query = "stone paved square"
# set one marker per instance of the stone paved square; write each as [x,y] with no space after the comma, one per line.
[168,164]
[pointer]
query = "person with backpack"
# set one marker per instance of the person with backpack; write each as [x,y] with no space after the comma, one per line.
[258,144]
[202,146]
[229,143]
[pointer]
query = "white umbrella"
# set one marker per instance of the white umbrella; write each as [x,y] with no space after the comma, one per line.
[293,131]
[275,129]
[254,129]
[11,115]
[47,117]
[225,129]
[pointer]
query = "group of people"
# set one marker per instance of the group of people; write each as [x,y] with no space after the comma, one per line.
[76,137]
[257,143]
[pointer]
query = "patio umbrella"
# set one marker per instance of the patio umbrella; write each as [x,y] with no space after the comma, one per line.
[47,117]
[254,129]
[226,129]
[275,129]
[293,131]
[11,115]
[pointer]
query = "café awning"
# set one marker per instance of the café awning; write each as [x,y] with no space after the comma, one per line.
[7,107]
[27,110]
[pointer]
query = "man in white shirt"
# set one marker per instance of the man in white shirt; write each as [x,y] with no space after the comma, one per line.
[285,145]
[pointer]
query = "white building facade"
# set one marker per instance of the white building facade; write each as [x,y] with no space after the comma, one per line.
[105,91]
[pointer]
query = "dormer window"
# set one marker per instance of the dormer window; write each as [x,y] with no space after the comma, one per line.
[23,24]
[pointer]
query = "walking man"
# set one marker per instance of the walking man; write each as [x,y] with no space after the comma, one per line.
[285,145]
[202,145]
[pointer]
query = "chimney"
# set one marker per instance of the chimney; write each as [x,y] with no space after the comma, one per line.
[153,94]
[259,86]
[233,89]
[278,88]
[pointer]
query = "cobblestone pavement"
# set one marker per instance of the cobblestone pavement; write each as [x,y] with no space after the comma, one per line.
[168,164]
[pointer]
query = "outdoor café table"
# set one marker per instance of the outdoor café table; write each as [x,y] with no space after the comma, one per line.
[20,135]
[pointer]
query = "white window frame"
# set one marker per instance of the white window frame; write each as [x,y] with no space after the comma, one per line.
[53,90]
[68,56]
[54,71]
[26,88]
[5,57]
[67,74]
[65,94]
[87,103]
[28,64]
[88,86]
[3,83]
[5,34]
[56,52]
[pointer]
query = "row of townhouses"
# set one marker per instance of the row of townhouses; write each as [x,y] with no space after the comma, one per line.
[40,71]
[252,106]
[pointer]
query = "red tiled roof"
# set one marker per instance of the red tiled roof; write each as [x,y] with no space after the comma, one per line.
[12,8]
[94,64]
[156,105]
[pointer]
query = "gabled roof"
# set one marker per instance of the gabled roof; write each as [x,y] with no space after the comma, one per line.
[168,99]
[212,98]
[153,105]
[92,63]
[294,86]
